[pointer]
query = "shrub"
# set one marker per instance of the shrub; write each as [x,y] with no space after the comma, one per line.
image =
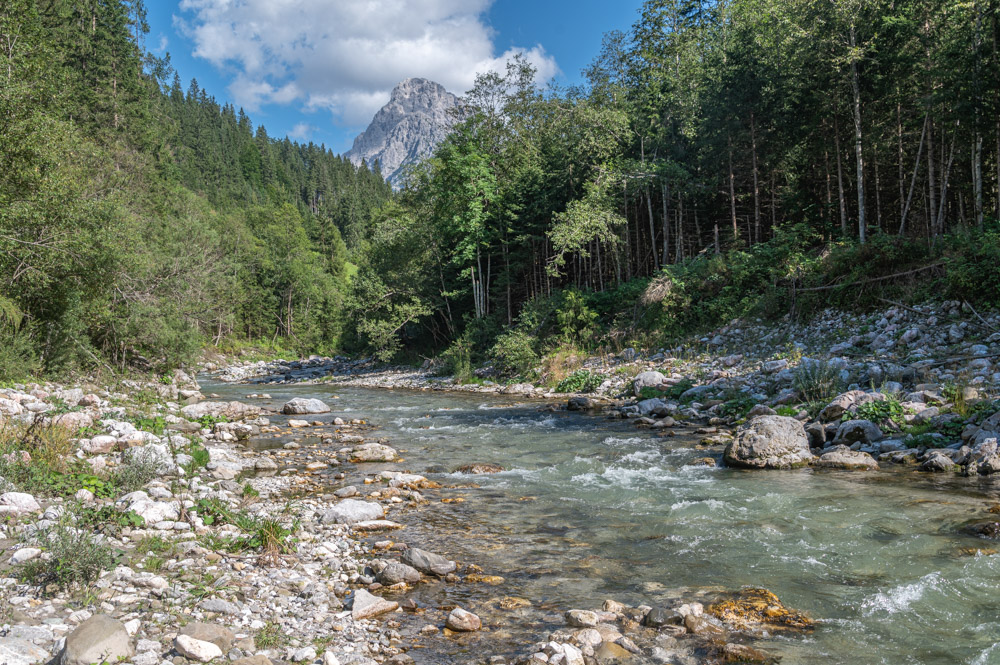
[135,472]
[514,353]
[75,557]
[816,380]
[581,381]
[576,321]
[458,361]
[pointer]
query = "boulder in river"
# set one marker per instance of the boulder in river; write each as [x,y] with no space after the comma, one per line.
[749,609]
[428,562]
[304,405]
[842,457]
[231,410]
[366,605]
[984,458]
[463,621]
[769,442]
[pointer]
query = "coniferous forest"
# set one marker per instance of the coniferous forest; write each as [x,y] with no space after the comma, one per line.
[724,158]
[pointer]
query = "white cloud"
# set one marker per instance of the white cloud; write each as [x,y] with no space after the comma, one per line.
[345,56]
[162,45]
[301,132]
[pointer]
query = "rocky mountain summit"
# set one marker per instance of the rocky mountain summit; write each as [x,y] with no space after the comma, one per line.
[407,129]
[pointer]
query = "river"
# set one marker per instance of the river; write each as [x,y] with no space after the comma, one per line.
[590,509]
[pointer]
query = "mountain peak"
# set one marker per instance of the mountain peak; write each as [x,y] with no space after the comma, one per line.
[408,128]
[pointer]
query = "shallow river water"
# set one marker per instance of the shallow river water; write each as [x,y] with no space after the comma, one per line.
[592,509]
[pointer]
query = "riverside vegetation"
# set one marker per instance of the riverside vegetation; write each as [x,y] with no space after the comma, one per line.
[772,227]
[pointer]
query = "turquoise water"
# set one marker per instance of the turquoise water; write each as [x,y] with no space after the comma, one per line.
[590,509]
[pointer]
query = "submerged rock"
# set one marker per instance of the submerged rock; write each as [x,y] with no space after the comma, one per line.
[769,442]
[428,562]
[755,608]
[477,469]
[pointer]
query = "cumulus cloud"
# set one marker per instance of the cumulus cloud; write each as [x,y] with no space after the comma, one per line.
[301,131]
[345,56]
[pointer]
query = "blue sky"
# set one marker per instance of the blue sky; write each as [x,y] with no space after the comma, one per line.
[319,69]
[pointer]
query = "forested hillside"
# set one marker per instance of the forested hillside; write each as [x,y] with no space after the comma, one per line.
[724,158]
[140,221]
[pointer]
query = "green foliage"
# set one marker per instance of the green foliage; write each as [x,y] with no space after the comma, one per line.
[580,381]
[154,424]
[575,320]
[674,392]
[208,421]
[133,474]
[514,353]
[75,556]
[737,407]
[880,412]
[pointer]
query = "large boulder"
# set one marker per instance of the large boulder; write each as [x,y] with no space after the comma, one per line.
[352,511]
[984,458]
[650,379]
[463,621]
[769,442]
[858,431]
[843,457]
[231,410]
[18,503]
[302,405]
[428,562]
[396,572]
[373,452]
[99,639]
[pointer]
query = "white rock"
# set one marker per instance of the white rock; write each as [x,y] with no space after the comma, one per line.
[197,650]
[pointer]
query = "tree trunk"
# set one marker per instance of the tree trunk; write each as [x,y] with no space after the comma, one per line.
[856,89]
[665,257]
[732,189]
[931,182]
[756,180]
[652,229]
[840,177]
[913,180]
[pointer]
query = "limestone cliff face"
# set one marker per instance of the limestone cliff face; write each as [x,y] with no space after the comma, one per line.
[407,129]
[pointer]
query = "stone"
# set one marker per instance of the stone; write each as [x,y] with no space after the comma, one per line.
[197,650]
[156,511]
[231,410]
[463,621]
[303,655]
[610,653]
[298,423]
[661,616]
[351,511]
[18,503]
[853,431]
[19,651]
[581,403]
[774,366]
[984,458]
[24,554]
[219,606]
[366,605]
[98,639]
[761,410]
[843,457]
[304,405]
[754,607]
[937,463]
[220,636]
[742,653]
[769,442]
[99,445]
[650,379]
[395,573]
[428,562]
[373,452]
[582,618]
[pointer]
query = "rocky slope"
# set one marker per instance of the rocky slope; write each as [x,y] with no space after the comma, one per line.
[407,129]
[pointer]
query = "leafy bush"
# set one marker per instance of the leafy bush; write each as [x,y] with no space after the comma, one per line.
[737,407]
[133,474]
[458,361]
[575,319]
[880,412]
[76,557]
[208,421]
[153,424]
[674,392]
[514,353]
[581,381]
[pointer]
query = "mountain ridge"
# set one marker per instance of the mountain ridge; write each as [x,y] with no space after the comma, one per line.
[406,130]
